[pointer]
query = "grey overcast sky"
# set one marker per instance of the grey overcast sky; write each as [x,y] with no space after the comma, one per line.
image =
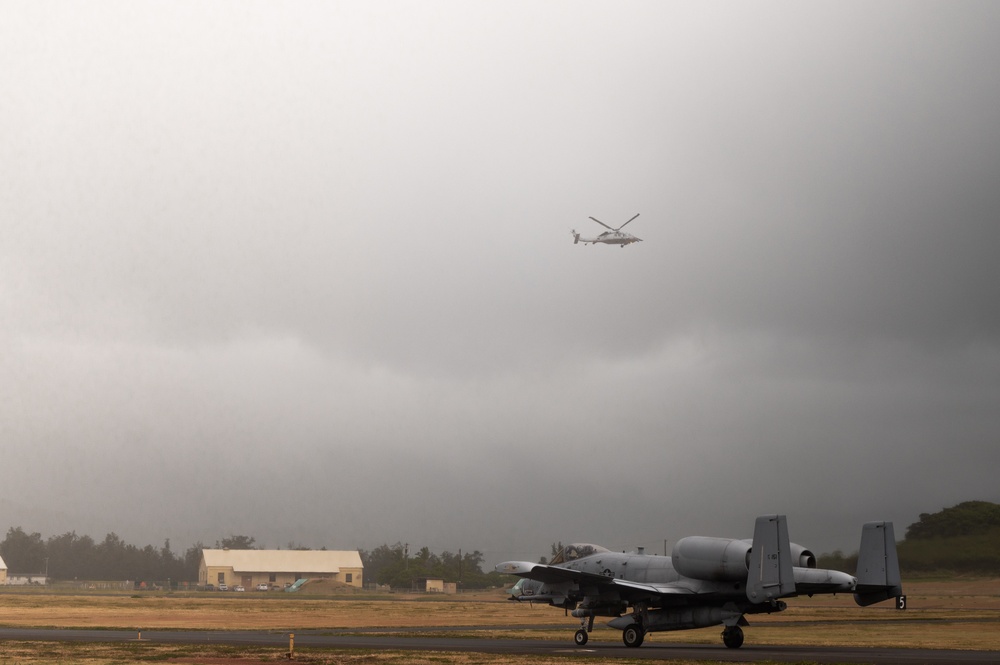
[303,271]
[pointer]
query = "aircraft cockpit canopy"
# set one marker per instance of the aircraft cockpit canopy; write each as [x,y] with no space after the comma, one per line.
[577,551]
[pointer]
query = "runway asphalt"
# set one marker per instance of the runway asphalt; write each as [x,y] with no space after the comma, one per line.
[374,642]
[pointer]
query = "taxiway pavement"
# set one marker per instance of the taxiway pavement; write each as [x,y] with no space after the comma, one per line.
[595,649]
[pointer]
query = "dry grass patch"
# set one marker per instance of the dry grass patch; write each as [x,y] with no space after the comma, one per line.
[961,614]
[47,653]
[248,612]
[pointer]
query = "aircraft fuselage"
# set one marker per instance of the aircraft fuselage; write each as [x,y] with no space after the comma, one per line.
[706,581]
[611,238]
[659,571]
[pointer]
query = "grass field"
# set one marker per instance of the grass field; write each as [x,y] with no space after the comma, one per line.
[951,614]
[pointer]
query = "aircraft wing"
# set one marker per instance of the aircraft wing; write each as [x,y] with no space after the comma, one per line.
[629,589]
[626,589]
[549,574]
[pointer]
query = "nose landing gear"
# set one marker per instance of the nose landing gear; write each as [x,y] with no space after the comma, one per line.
[586,625]
[733,637]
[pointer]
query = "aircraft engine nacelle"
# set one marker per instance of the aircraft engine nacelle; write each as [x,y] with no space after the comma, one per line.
[716,559]
[802,557]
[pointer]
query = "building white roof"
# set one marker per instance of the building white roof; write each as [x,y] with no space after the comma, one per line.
[283,561]
[3,566]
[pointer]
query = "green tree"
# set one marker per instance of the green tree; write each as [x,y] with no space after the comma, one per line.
[70,556]
[383,563]
[23,552]
[112,559]
[389,565]
[192,562]
[837,561]
[237,543]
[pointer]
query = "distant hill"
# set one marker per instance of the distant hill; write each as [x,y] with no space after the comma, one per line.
[970,518]
[963,539]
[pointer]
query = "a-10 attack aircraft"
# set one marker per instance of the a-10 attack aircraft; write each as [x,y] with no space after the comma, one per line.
[706,582]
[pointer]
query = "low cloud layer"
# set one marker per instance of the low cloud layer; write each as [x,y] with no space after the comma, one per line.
[305,272]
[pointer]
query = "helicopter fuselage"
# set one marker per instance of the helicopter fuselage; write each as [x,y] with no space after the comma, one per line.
[608,238]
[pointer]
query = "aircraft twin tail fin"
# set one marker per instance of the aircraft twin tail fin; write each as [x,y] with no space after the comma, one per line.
[770,574]
[878,566]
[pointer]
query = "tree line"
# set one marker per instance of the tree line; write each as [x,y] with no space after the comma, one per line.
[397,567]
[73,557]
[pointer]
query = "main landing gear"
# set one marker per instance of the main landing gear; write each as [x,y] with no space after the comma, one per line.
[733,637]
[633,635]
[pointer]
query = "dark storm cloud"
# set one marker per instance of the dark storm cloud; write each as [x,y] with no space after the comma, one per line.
[310,267]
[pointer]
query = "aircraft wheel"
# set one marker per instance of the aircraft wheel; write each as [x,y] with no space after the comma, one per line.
[733,637]
[580,638]
[633,635]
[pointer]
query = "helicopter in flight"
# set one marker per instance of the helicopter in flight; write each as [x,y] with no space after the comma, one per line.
[609,237]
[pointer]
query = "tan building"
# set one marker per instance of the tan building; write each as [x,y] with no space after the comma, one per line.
[278,568]
[440,586]
[3,571]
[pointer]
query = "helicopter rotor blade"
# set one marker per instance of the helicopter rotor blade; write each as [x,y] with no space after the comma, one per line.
[623,225]
[603,224]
